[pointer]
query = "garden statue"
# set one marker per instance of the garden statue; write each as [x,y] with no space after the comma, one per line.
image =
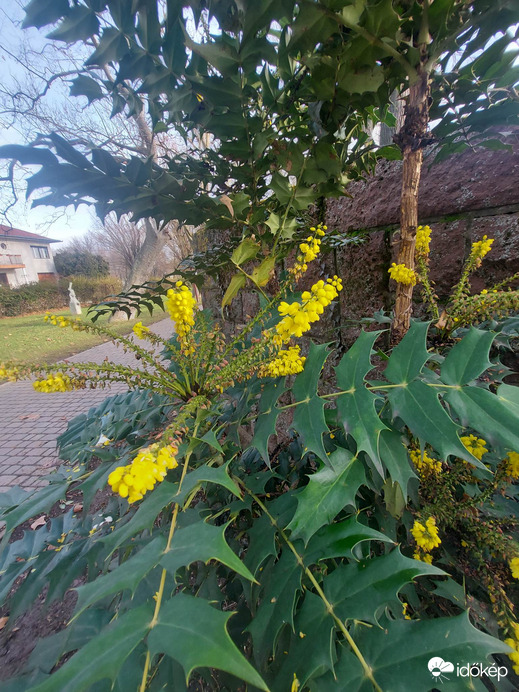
[75,305]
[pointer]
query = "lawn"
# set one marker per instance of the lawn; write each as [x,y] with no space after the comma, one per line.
[31,339]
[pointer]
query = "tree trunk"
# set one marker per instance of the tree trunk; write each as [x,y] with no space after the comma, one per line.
[411,139]
[140,272]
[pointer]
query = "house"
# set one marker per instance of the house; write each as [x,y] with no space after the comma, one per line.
[25,257]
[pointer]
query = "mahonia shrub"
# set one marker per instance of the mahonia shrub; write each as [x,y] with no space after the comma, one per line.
[267,532]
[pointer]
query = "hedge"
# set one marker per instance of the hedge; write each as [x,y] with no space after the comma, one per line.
[48,295]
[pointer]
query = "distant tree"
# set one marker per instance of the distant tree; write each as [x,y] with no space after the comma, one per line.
[75,261]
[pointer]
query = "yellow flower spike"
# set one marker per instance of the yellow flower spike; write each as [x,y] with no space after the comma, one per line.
[149,467]
[425,465]
[426,537]
[287,362]
[402,274]
[475,445]
[514,567]
[140,330]
[481,248]
[512,467]
[423,239]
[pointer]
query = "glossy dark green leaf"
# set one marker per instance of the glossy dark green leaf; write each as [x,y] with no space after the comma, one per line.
[103,656]
[338,540]
[39,13]
[195,634]
[329,490]
[79,24]
[32,505]
[396,459]
[408,358]
[265,424]
[399,653]
[112,46]
[127,575]
[309,421]
[468,359]
[418,406]
[201,542]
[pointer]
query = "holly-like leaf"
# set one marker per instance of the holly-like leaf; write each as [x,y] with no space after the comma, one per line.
[265,424]
[201,542]
[329,490]
[79,24]
[86,86]
[34,503]
[361,590]
[396,459]
[309,421]
[127,575]
[262,543]
[261,274]
[280,584]
[103,656]
[39,13]
[311,651]
[338,540]
[236,284]
[409,357]
[468,359]
[399,653]
[485,412]
[418,406]
[195,634]
[356,407]
[246,250]
[111,47]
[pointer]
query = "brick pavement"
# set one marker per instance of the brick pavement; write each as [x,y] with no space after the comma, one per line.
[31,421]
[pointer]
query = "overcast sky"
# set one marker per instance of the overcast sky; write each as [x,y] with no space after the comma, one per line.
[59,224]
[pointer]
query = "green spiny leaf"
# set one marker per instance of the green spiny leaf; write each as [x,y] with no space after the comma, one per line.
[204,542]
[409,357]
[396,459]
[127,575]
[265,424]
[329,490]
[468,359]
[309,420]
[103,656]
[195,634]
[338,540]
[235,285]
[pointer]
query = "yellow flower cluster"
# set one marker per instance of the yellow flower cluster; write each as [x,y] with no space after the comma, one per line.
[149,467]
[423,238]
[425,464]
[140,330]
[297,317]
[513,643]
[402,274]
[512,467]
[61,321]
[287,362]
[308,250]
[475,445]
[481,248]
[54,383]
[426,537]
[180,304]
[514,566]
[9,373]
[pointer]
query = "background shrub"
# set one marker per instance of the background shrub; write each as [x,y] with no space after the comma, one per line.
[74,262]
[37,297]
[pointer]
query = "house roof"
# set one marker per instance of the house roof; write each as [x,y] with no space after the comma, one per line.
[18,234]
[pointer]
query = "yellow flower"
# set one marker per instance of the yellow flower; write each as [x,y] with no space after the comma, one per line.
[423,238]
[424,463]
[402,274]
[475,445]
[513,643]
[308,251]
[295,684]
[423,557]
[180,304]
[513,464]
[149,467]
[426,537]
[287,362]
[514,567]
[481,248]
[298,317]
[140,330]
[55,383]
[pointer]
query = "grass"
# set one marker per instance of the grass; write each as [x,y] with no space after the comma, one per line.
[30,339]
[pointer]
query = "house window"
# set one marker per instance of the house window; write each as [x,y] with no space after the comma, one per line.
[40,251]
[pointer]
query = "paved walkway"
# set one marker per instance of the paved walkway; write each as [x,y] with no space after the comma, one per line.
[31,421]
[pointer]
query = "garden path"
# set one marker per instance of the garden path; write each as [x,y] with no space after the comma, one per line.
[31,421]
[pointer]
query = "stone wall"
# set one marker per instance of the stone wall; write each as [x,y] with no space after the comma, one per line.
[463,198]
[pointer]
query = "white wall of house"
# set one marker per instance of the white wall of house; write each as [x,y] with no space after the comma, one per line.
[25,261]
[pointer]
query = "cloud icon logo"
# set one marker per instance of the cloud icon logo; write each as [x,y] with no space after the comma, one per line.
[438,667]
